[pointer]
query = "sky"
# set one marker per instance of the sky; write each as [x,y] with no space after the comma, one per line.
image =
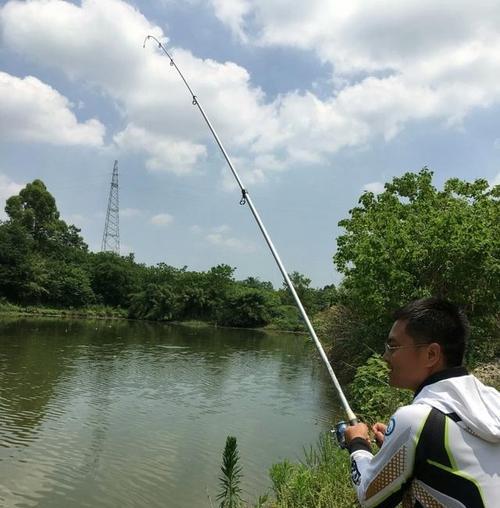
[315,102]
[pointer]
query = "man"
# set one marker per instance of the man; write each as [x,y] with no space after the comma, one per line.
[443,450]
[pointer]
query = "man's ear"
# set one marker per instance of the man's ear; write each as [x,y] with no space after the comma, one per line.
[434,354]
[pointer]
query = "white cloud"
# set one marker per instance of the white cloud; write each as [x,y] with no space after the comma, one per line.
[395,63]
[8,188]
[148,92]
[31,110]
[375,187]
[162,219]
[130,212]
[361,36]
[496,180]
[220,236]
[232,13]
[165,152]
[223,228]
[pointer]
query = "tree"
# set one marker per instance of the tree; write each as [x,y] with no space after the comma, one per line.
[248,307]
[218,281]
[256,283]
[413,241]
[17,270]
[68,285]
[39,252]
[113,278]
[34,208]
[156,303]
[305,292]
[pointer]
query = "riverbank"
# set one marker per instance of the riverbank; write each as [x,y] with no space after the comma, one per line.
[103,312]
[93,312]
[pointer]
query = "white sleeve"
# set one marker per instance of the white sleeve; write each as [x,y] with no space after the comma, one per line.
[379,479]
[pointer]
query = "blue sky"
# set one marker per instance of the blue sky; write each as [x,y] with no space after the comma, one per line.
[315,102]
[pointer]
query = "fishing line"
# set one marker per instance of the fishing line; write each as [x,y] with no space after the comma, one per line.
[246,200]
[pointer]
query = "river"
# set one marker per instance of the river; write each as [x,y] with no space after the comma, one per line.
[128,414]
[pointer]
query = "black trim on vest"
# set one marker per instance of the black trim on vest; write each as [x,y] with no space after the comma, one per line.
[392,501]
[442,374]
[431,447]
[454,417]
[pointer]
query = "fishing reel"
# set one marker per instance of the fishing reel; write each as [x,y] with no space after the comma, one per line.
[339,432]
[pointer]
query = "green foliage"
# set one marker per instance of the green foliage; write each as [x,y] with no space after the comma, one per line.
[113,278]
[321,481]
[41,257]
[302,287]
[34,208]
[68,285]
[287,317]
[413,241]
[256,283]
[156,303]
[230,490]
[16,267]
[371,396]
[248,307]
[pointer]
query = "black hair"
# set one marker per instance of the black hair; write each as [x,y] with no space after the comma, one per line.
[436,320]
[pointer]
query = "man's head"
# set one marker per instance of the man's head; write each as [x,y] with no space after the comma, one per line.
[427,336]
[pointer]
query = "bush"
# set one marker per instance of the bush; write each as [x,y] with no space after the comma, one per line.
[372,398]
[288,318]
[247,307]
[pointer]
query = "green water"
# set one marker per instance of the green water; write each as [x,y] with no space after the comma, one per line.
[119,414]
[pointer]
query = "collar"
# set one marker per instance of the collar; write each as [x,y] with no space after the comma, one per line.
[442,374]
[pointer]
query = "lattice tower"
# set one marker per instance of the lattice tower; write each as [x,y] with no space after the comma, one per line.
[111,235]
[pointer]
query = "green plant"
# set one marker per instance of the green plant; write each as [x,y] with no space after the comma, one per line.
[372,397]
[322,480]
[229,495]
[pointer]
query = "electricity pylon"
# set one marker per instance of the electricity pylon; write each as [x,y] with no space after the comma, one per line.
[111,235]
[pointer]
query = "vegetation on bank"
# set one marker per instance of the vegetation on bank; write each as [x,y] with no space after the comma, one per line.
[89,312]
[45,263]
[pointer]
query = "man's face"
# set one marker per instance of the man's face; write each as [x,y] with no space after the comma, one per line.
[408,363]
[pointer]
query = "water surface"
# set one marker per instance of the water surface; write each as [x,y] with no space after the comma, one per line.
[107,414]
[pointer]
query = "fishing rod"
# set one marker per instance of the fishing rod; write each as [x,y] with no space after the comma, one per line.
[246,200]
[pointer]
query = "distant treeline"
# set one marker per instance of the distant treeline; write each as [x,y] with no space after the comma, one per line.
[44,261]
[410,241]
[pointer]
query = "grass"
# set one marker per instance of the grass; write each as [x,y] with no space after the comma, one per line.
[321,480]
[94,311]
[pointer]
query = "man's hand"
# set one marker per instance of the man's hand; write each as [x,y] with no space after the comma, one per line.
[358,430]
[379,433]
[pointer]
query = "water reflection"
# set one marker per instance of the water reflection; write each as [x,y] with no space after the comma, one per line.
[136,414]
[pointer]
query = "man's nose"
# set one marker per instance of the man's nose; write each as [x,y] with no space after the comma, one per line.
[386,356]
